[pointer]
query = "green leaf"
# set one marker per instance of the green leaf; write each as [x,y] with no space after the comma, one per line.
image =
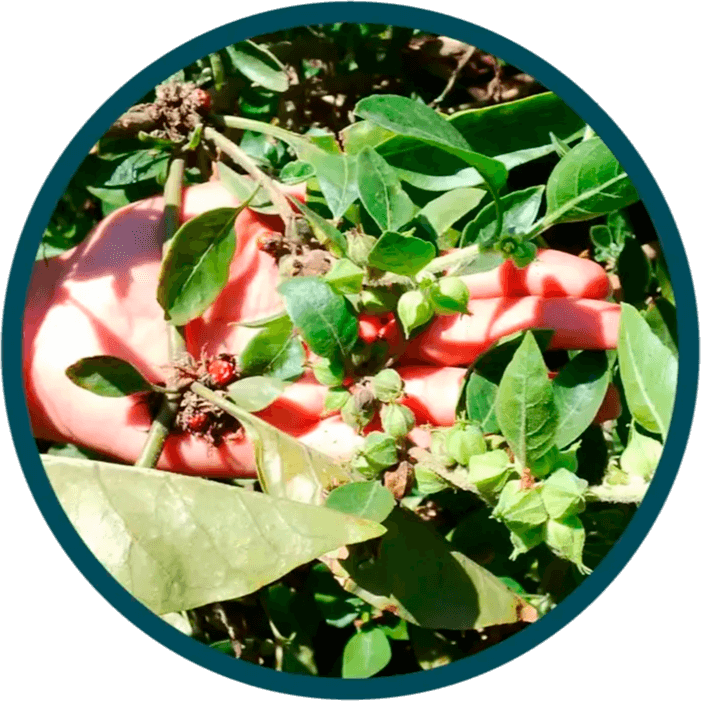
[255,393]
[288,469]
[134,167]
[662,318]
[641,455]
[177,542]
[335,398]
[245,189]
[417,576]
[327,234]
[345,277]
[408,117]
[368,500]
[648,371]
[329,372]
[579,390]
[498,130]
[335,173]
[520,210]
[218,72]
[296,172]
[107,376]
[403,255]
[258,65]
[481,402]
[587,183]
[196,266]
[381,192]
[442,212]
[274,352]
[324,317]
[365,654]
[525,408]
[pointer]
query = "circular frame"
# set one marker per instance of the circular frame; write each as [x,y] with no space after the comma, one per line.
[620,553]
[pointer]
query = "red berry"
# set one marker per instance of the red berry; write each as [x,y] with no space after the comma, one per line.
[197,422]
[203,98]
[222,371]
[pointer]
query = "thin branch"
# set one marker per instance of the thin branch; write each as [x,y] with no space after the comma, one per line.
[239,156]
[162,424]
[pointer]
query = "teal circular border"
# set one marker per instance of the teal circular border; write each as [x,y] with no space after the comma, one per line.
[622,551]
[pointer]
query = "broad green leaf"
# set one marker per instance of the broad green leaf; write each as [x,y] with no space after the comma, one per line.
[495,130]
[487,370]
[513,133]
[415,575]
[196,266]
[363,499]
[648,371]
[525,408]
[335,173]
[520,210]
[345,277]
[408,117]
[403,255]
[381,192]
[579,391]
[587,183]
[641,455]
[324,317]
[259,65]
[255,393]
[274,352]
[177,542]
[107,376]
[355,137]
[327,234]
[441,213]
[481,402]
[365,654]
[134,167]
[288,469]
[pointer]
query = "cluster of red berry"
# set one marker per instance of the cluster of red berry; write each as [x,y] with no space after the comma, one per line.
[220,372]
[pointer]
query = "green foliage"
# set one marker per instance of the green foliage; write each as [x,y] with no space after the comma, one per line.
[107,376]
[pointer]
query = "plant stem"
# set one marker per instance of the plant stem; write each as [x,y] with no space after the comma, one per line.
[262,127]
[462,255]
[212,397]
[239,156]
[160,428]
